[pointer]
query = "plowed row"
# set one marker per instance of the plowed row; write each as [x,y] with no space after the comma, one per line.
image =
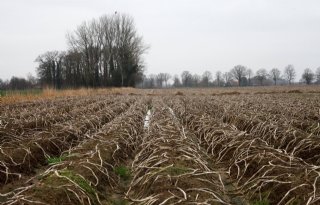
[231,149]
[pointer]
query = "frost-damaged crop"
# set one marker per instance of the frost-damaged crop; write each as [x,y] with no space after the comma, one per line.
[162,148]
[22,157]
[259,170]
[86,175]
[170,166]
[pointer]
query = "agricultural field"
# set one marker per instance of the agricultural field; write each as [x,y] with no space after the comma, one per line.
[255,146]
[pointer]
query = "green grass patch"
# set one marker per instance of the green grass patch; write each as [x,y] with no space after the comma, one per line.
[119,202]
[79,181]
[48,179]
[2,93]
[55,160]
[261,202]
[21,92]
[262,199]
[123,172]
[296,201]
[49,183]
[177,170]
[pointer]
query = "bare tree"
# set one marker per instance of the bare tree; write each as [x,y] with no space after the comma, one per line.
[1,85]
[196,80]
[318,75]
[227,77]
[249,74]
[261,75]
[47,70]
[160,79]
[308,76]
[218,78]
[206,78]
[275,75]
[166,78]
[16,83]
[238,73]
[31,79]
[152,80]
[111,51]
[176,81]
[289,73]
[186,78]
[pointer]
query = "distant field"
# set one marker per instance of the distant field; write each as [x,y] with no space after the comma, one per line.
[8,97]
[4,93]
[163,146]
[27,95]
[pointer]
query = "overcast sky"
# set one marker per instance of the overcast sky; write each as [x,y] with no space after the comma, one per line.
[194,35]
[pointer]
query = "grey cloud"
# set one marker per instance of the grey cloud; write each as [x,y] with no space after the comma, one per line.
[183,34]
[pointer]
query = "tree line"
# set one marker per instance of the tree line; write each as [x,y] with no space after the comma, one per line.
[238,76]
[19,83]
[102,52]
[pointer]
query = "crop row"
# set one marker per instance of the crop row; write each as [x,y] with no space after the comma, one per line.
[276,131]
[260,171]
[301,113]
[170,168]
[42,117]
[86,174]
[23,157]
